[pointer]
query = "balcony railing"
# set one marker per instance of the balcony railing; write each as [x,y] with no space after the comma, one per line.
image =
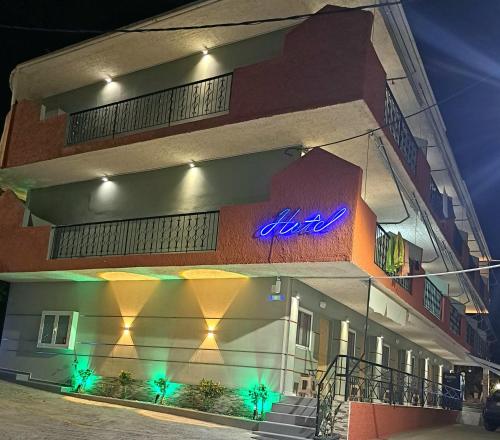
[190,101]
[382,239]
[353,379]
[395,121]
[433,298]
[152,235]
[455,320]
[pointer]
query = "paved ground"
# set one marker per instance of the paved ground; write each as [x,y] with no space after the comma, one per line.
[27,414]
[455,432]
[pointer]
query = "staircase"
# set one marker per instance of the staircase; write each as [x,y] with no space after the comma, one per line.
[293,418]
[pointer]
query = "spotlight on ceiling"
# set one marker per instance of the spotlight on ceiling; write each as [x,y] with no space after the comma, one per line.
[204,51]
[105,179]
[108,79]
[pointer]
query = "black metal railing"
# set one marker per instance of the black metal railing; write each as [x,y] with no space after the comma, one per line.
[395,121]
[433,298]
[152,235]
[353,379]
[436,199]
[455,320]
[382,239]
[190,101]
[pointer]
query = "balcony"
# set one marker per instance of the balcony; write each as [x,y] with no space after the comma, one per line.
[381,246]
[197,100]
[154,235]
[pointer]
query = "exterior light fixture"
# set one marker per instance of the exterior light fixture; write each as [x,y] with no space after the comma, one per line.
[108,79]
[211,334]
[105,179]
[192,164]
[347,321]
[126,329]
[297,296]
[205,50]
[497,386]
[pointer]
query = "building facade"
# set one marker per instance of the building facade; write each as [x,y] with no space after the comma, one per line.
[224,204]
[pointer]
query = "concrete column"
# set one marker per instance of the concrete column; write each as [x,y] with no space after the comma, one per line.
[377,372]
[407,379]
[486,384]
[290,347]
[341,384]
[427,385]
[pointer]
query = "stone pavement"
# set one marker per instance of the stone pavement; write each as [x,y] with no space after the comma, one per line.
[27,414]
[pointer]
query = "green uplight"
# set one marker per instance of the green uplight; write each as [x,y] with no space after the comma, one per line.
[84,378]
[163,388]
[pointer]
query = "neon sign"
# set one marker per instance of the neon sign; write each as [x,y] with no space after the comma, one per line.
[286,223]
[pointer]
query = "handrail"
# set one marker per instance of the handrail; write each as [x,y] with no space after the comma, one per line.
[199,99]
[371,381]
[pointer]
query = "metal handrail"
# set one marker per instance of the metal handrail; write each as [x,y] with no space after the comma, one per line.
[161,108]
[375,382]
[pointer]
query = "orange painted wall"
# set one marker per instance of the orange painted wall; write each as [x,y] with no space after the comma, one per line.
[318,182]
[369,421]
[341,73]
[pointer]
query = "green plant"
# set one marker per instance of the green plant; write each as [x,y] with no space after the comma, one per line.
[83,376]
[125,379]
[161,385]
[258,393]
[209,391]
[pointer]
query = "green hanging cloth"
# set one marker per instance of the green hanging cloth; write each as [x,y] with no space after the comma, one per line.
[399,253]
[389,255]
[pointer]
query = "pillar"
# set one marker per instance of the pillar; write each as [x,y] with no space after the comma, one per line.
[288,363]
[340,386]
[486,384]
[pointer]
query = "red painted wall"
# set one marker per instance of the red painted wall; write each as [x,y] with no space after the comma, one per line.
[328,59]
[369,421]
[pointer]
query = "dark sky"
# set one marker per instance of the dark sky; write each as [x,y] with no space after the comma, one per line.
[459,41]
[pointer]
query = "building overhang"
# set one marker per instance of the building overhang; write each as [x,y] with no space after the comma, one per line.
[342,281]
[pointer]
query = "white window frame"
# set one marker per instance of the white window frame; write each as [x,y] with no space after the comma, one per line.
[70,336]
[307,312]
[355,340]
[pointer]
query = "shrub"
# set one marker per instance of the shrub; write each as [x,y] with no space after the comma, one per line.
[162,386]
[258,394]
[125,379]
[83,376]
[209,391]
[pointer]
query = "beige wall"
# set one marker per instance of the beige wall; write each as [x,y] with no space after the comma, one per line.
[169,323]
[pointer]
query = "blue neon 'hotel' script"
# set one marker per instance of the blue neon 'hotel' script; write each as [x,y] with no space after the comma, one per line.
[286,223]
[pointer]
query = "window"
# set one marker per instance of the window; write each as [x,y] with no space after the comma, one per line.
[304,329]
[351,343]
[58,330]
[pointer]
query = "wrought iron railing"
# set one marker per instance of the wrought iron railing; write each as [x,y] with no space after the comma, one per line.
[396,122]
[382,239]
[190,101]
[353,379]
[152,235]
[433,298]
[455,320]
[436,199]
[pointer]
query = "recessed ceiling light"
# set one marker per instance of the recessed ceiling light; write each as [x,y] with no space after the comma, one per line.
[104,179]
[192,164]
[204,51]
[108,79]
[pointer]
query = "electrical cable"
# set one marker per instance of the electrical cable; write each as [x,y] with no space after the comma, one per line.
[200,26]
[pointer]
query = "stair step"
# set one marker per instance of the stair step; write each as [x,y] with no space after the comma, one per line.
[291,419]
[299,410]
[303,401]
[283,428]
[274,435]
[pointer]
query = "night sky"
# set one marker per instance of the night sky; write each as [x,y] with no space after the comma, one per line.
[459,41]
